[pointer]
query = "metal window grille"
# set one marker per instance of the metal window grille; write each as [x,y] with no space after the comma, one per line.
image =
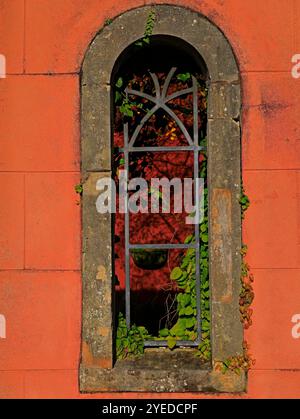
[160,101]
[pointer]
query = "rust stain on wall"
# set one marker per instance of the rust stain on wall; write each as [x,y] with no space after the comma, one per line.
[101,273]
[90,361]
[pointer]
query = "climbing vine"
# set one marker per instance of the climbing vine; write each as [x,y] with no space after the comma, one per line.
[236,364]
[148,29]
[247,294]
[186,326]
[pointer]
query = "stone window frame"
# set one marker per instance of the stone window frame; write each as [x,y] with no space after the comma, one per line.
[158,371]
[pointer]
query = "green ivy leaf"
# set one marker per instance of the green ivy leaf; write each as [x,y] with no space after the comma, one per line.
[126,110]
[118,97]
[203,228]
[190,322]
[78,189]
[119,83]
[164,332]
[188,311]
[183,77]
[189,239]
[171,342]
[204,238]
[176,273]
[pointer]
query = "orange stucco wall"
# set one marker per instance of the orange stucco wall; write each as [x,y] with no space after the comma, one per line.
[44,42]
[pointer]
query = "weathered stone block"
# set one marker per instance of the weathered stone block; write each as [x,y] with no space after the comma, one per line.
[96,127]
[97,276]
[224,100]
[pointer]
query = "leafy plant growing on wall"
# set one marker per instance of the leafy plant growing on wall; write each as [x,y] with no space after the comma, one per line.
[130,342]
[148,30]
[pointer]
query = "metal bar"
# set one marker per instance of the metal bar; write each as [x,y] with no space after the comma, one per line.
[143,121]
[178,122]
[197,250]
[156,85]
[160,102]
[177,94]
[159,343]
[162,246]
[161,149]
[197,198]
[167,82]
[127,236]
[195,110]
[133,92]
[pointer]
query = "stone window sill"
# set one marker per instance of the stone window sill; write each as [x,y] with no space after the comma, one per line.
[161,371]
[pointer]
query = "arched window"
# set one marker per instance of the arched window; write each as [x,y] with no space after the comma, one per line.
[160,122]
[170,108]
